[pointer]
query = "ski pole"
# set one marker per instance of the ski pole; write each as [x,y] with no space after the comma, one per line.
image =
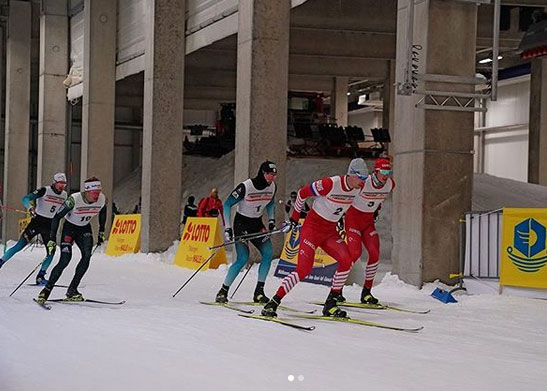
[96,247]
[247,237]
[13,209]
[26,278]
[240,282]
[196,272]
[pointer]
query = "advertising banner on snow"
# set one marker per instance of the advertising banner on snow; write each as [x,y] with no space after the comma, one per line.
[199,234]
[125,235]
[523,253]
[324,266]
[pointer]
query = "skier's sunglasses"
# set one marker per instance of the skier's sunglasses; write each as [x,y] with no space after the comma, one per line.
[386,172]
[362,177]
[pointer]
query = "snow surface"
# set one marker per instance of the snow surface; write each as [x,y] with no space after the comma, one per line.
[156,342]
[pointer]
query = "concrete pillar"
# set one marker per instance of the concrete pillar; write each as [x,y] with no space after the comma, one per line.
[262,82]
[339,101]
[16,150]
[2,101]
[52,111]
[537,139]
[162,124]
[99,94]
[432,148]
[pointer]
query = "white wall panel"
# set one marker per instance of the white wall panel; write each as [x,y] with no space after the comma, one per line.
[77,39]
[506,154]
[506,150]
[131,29]
[513,104]
[202,13]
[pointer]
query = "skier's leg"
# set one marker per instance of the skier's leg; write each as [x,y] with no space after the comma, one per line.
[266,251]
[84,241]
[371,241]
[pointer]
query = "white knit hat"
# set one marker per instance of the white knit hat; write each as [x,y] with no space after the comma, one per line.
[59,177]
[358,168]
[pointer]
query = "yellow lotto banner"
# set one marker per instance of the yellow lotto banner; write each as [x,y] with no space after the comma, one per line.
[125,235]
[323,268]
[23,224]
[523,255]
[199,234]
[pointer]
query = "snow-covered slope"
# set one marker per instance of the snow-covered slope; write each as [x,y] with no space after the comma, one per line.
[156,342]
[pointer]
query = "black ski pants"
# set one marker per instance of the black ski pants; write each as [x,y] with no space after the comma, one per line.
[83,238]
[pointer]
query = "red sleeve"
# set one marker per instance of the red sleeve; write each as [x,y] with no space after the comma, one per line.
[201,207]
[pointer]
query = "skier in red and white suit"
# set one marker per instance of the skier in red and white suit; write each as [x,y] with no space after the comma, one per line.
[360,219]
[333,196]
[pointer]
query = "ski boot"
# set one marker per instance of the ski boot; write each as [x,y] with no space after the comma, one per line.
[43,295]
[41,278]
[72,294]
[222,295]
[331,308]
[339,297]
[259,296]
[270,308]
[367,298]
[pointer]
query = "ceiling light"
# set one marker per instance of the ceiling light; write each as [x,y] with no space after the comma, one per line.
[487,60]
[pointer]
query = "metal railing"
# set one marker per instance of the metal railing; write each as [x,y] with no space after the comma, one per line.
[481,247]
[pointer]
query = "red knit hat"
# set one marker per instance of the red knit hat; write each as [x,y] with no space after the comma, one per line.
[382,164]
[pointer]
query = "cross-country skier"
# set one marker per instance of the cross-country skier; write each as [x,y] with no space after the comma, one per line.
[333,196]
[41,204]
[253,197]
[360,219]
[78,210]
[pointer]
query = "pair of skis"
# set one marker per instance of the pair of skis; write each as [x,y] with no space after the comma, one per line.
[249,313]
[310,316]
[46,306]
[288,322]
[235,306]
[378,306]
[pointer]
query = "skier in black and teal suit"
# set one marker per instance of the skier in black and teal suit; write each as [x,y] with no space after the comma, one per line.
[252,197]
[42,204]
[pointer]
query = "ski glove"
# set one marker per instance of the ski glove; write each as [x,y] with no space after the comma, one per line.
[100,238]
[289,226]
[51,245]
[271,224]
[229,234]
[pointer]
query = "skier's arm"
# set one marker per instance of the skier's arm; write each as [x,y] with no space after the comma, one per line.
[102,218]
[318,188]
[270,211]
[65,208]
[29,199]
[235,196]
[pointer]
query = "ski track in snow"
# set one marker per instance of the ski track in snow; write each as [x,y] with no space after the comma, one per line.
[156,342]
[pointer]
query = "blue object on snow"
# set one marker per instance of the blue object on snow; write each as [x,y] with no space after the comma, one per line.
[444,296]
